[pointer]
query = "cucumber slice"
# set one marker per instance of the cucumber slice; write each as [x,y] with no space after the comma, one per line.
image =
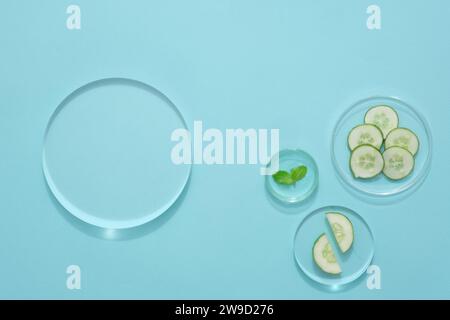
[398,163]
[324,257]
[402,137]
[342,230]
[366,162]
[384,117]
[365,134]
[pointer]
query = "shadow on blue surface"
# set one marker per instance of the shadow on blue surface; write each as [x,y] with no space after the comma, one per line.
[118,234]
[324,288]
[380,200]
[291,208]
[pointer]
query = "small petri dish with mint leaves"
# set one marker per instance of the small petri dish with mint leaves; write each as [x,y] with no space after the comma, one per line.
[296,179]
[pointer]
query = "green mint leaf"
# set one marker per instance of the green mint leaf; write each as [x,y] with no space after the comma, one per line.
[283,177]
[298,173]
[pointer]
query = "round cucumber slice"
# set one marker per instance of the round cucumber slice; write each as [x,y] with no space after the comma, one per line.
[365,134]
[324,257]
[384,117]
[402,137]
[366,162]
[398,163]
[342,230]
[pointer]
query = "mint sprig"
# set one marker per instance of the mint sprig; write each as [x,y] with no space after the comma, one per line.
[290,178]
[283,177]
[298,173]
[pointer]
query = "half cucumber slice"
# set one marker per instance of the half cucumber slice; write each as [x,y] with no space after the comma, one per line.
[324,257]
[365,134]
[342,230]
[384,117]
[366,162]
[399,163]
[402,137]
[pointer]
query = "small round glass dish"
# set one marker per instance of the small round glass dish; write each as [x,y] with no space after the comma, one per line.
[353,263]
[381,186]
[301,190]
[107,153]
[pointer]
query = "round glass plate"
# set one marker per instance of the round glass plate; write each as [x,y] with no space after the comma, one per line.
[380,186]
[301,190]
[353,263]
[107,153]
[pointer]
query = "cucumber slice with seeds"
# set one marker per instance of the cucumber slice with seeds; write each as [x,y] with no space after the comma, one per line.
[342,230]
[399,163]
[402,137]
[324,257]
[366,162]
[384,117]
[365,134]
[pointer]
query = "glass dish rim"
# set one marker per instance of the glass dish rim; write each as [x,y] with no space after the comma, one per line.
[66,204]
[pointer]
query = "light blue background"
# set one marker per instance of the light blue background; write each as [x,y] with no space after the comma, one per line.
[295,65]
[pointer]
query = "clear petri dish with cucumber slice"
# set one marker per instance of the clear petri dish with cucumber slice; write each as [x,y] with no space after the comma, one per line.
[381,147]
[333,246]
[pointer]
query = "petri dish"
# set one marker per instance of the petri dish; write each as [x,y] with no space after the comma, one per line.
[107,153]
[300,191]
[380,186]
[354,262]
